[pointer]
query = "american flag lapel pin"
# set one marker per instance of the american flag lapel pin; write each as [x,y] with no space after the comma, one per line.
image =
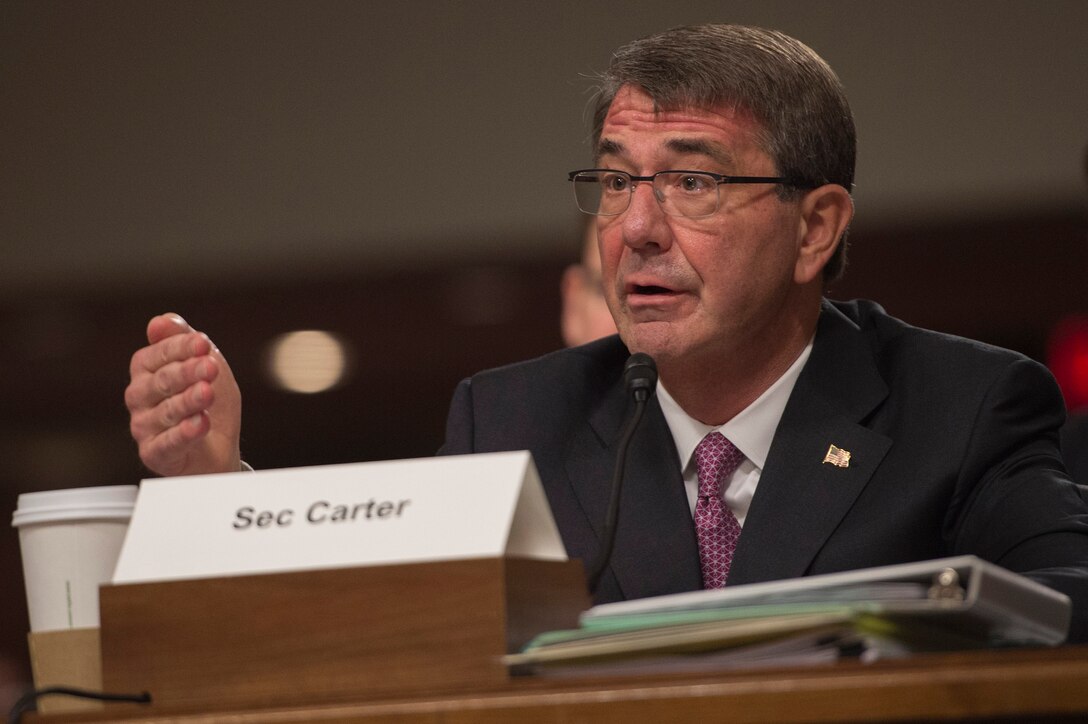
[838,457]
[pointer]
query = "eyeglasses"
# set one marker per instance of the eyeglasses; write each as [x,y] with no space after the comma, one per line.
[694,194]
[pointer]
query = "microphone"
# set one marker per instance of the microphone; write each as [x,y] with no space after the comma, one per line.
[640,379]
[640,376]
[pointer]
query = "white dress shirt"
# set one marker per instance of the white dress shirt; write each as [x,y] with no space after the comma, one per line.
[751,431]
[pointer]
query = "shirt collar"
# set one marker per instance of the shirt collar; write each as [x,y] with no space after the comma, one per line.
[751,430]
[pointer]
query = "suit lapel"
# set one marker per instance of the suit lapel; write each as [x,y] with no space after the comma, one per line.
[656,551]
[801,499]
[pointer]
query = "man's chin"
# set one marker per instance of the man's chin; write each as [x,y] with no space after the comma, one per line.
[657,339]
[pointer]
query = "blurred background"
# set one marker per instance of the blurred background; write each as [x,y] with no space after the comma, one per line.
[393,175]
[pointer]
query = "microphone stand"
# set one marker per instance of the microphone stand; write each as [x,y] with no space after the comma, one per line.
[640,375]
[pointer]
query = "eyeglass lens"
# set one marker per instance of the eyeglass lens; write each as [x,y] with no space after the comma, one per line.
[608,193]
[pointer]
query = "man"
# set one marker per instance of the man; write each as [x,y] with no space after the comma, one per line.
[585,316]
[790,435]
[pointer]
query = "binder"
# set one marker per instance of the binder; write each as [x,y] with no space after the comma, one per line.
[943,604]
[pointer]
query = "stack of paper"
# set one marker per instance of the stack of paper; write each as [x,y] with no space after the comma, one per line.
[945,604]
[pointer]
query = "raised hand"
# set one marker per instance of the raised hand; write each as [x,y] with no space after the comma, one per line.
[184,404]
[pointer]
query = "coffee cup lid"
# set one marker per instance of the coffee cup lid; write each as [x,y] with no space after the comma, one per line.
[110,502]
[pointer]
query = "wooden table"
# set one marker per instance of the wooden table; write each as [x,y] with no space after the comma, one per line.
[982,685]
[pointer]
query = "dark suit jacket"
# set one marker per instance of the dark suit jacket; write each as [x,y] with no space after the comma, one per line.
[1074,437]
[954,450]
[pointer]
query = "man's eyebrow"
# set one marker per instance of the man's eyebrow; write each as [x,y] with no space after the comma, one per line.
[700,147]
[608,147]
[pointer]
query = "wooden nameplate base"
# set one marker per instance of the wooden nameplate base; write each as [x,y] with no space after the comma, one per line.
[329,635]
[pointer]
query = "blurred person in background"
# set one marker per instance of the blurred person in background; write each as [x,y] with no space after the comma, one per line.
[585,316]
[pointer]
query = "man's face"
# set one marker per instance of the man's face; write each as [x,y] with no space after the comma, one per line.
[709,286]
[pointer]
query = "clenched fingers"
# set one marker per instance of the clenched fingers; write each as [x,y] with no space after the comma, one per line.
[170,390]
[185,407]
[149,419]
[149,387]
[170,451]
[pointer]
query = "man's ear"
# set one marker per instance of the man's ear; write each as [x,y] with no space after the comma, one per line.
[825,213]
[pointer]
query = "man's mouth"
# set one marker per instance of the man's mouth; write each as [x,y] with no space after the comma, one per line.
[648,290]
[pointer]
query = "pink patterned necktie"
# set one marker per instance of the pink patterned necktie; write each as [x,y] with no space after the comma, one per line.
[715,458]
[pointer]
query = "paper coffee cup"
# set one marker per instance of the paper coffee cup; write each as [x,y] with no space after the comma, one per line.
[70,541]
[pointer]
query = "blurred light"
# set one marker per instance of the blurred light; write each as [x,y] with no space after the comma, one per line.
[307,361]
[1067,357]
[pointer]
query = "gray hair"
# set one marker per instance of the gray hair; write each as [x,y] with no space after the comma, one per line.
[807,127]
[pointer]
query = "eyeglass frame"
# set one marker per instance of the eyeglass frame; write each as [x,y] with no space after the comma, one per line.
[719,179]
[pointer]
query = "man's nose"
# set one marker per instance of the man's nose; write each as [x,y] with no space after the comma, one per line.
[644,221]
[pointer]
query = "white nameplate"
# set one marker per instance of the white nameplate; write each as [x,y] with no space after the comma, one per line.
[332,516]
